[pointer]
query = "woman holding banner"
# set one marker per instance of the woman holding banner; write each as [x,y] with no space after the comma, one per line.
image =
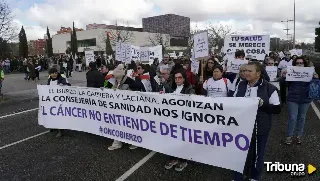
[123,82]
[179,86]
[55,78]
[256,86]
[298,103]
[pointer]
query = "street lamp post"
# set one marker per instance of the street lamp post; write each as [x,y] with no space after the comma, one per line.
[287,29]
[294,24]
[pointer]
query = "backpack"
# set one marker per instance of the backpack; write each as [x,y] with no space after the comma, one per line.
[314,89]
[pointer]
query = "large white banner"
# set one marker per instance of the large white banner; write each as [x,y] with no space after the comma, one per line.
[296,74]
[211,131]
[256,45]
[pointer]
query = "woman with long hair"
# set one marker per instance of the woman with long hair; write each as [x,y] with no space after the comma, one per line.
[298,104]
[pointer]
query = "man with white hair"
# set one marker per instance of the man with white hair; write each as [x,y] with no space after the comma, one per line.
[162,82]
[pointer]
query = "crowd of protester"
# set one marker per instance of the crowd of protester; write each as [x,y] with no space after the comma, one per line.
[174,75]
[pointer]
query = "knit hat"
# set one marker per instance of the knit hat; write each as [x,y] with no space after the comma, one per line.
[119,71]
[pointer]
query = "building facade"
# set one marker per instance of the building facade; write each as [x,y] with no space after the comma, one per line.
[36,47]
[96,26]
[95,39]
[112,27]
[174,25]
[64,30]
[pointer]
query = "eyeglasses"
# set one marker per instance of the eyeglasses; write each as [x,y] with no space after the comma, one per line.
[178,78]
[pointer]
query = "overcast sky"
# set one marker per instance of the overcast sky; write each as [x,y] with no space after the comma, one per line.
[249,16]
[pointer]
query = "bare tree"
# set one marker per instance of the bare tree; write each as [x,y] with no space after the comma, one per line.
[216,34]
[159,39]
[117,33]
[121,34]
[8,29]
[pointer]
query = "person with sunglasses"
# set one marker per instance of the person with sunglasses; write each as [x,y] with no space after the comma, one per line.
[180,85]
[298,104]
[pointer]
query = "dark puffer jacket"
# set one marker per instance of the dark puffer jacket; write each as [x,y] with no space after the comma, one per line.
[264,114]
[298,92]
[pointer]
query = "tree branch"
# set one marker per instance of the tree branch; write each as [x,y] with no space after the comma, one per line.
[8,30]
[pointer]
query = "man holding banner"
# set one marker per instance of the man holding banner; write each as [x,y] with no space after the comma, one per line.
[256,86]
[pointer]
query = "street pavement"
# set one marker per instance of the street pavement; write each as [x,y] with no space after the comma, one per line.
[16,89]
[29,152]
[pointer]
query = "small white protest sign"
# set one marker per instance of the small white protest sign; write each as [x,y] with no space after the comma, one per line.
[200,45]
[89,56]
[234,65]
[195,64]
[272,72]
[135,53]
[299,74]
[144,54]
[155,52]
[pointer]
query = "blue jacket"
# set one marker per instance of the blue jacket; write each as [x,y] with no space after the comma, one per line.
[298,92]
